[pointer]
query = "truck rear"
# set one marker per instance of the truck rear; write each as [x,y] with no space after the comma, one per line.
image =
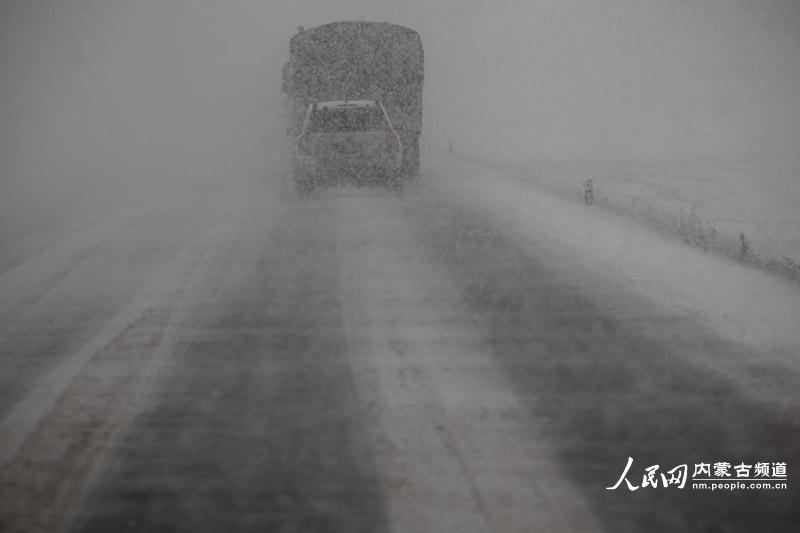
[356,60]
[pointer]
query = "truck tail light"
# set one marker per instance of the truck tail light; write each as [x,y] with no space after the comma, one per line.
[392,142]
[305,143]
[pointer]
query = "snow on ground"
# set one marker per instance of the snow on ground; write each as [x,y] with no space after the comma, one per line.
[744,304]
[709,203]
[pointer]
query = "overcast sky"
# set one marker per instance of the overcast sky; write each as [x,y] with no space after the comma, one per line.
[127,89]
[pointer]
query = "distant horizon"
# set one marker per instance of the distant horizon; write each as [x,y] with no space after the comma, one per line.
[97,90]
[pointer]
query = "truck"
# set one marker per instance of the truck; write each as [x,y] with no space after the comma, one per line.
[359,60]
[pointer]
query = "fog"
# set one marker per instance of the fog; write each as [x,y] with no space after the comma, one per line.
[199,334]
[111,99]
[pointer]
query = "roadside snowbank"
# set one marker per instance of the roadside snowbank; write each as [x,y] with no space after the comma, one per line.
[741,303]
[746,209]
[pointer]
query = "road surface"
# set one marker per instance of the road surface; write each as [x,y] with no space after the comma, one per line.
[232,358]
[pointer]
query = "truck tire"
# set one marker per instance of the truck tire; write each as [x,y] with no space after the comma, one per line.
[411,158]
[303,183]
[394,181]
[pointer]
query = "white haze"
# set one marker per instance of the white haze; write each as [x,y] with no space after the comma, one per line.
[111,100]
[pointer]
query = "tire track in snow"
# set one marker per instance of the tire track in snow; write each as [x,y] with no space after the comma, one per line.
[454,448]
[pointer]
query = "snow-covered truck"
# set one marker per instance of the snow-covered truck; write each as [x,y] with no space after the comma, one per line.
[359,60]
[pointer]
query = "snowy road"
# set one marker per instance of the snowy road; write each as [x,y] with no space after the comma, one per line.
[231,358]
